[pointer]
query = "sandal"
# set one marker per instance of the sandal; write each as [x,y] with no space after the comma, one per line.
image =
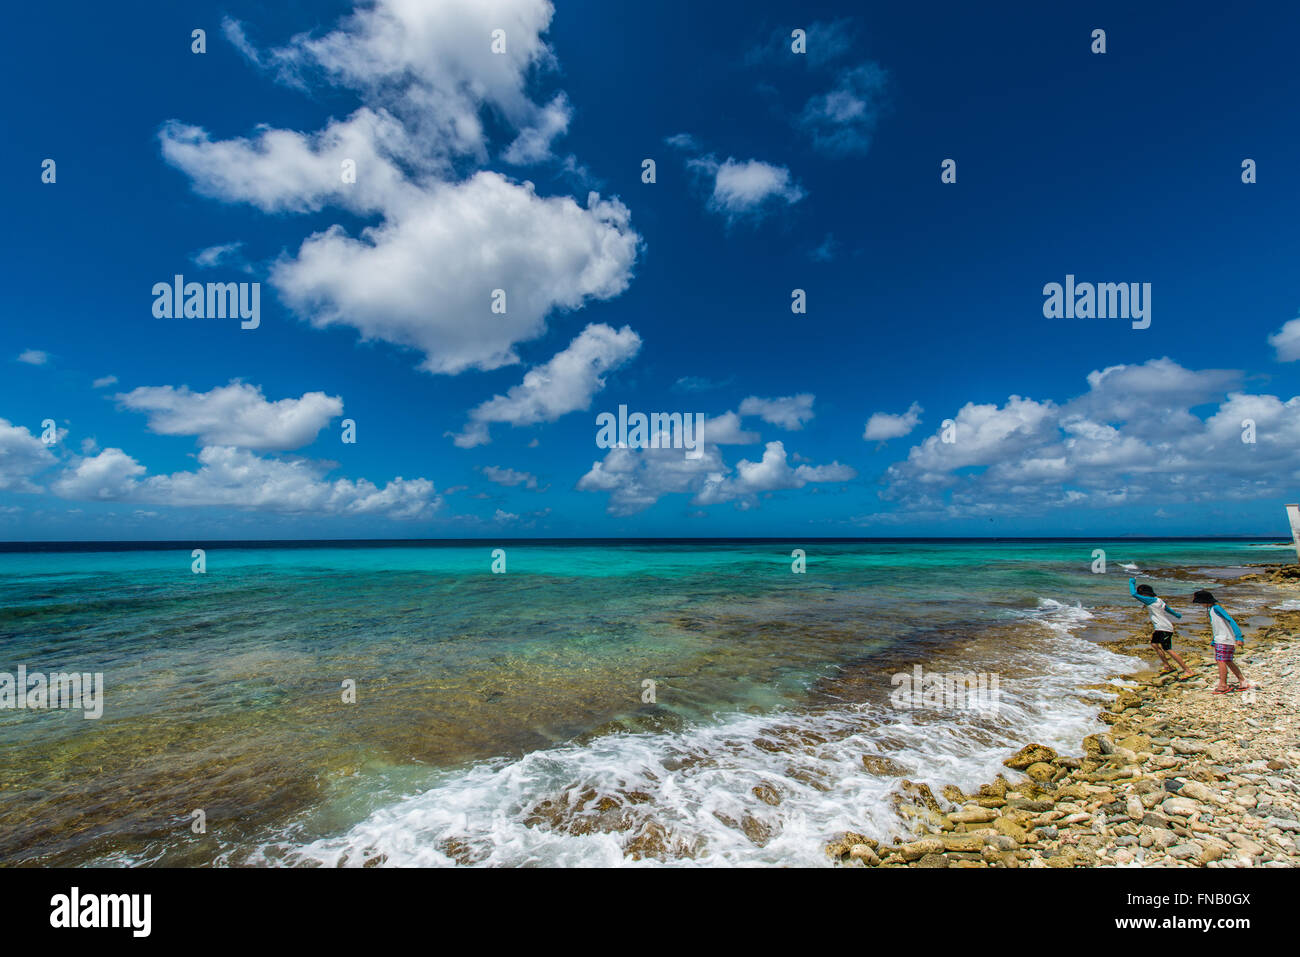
[1222,691]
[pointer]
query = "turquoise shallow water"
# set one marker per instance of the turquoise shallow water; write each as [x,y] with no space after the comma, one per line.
[499,692]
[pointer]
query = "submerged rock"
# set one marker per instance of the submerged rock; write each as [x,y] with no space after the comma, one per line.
[885,767]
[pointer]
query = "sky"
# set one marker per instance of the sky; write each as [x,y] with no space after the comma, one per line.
[463,259]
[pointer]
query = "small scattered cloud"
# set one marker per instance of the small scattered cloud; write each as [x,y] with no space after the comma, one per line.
[566,383]
[826,251]
[725,429]
[34,357]
[747,188]
[789,412]
[509,477]
[695,383]
[739,189]
[103,382]
[226,254]
[883,426]
[842,121]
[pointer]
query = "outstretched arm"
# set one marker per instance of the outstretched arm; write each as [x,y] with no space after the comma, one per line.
[1171,611]
[1133,590]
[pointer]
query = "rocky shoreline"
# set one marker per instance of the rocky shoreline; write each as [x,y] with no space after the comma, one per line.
[1183,778]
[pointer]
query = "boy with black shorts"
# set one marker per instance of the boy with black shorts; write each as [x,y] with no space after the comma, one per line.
[1162,634]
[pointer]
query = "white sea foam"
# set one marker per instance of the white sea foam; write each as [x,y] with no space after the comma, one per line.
[700,782]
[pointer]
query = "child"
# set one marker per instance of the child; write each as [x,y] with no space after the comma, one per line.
[1162,635]
[1226,637]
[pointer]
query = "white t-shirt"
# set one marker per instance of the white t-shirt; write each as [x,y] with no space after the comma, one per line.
[1159,613]
[1225,630]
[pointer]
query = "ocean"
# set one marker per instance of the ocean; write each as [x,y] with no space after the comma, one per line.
[597,703]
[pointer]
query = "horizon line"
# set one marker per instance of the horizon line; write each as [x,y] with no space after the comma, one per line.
[200,541]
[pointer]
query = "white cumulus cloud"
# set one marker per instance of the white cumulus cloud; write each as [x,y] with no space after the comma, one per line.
[22,456]
[426,277]
[236,414]
[566,383]
[635,479]
[1137,435]
[238,478]
[1287,341]
[444,238]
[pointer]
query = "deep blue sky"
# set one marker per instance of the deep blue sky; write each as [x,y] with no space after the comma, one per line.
[1117,167]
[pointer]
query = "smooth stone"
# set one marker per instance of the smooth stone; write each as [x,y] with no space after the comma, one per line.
[915,850]
[861,852]
[974,815]
[1180,807]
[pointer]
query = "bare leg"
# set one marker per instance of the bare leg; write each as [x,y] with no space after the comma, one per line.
[1223,676]
[1240,677]
[1182,664]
